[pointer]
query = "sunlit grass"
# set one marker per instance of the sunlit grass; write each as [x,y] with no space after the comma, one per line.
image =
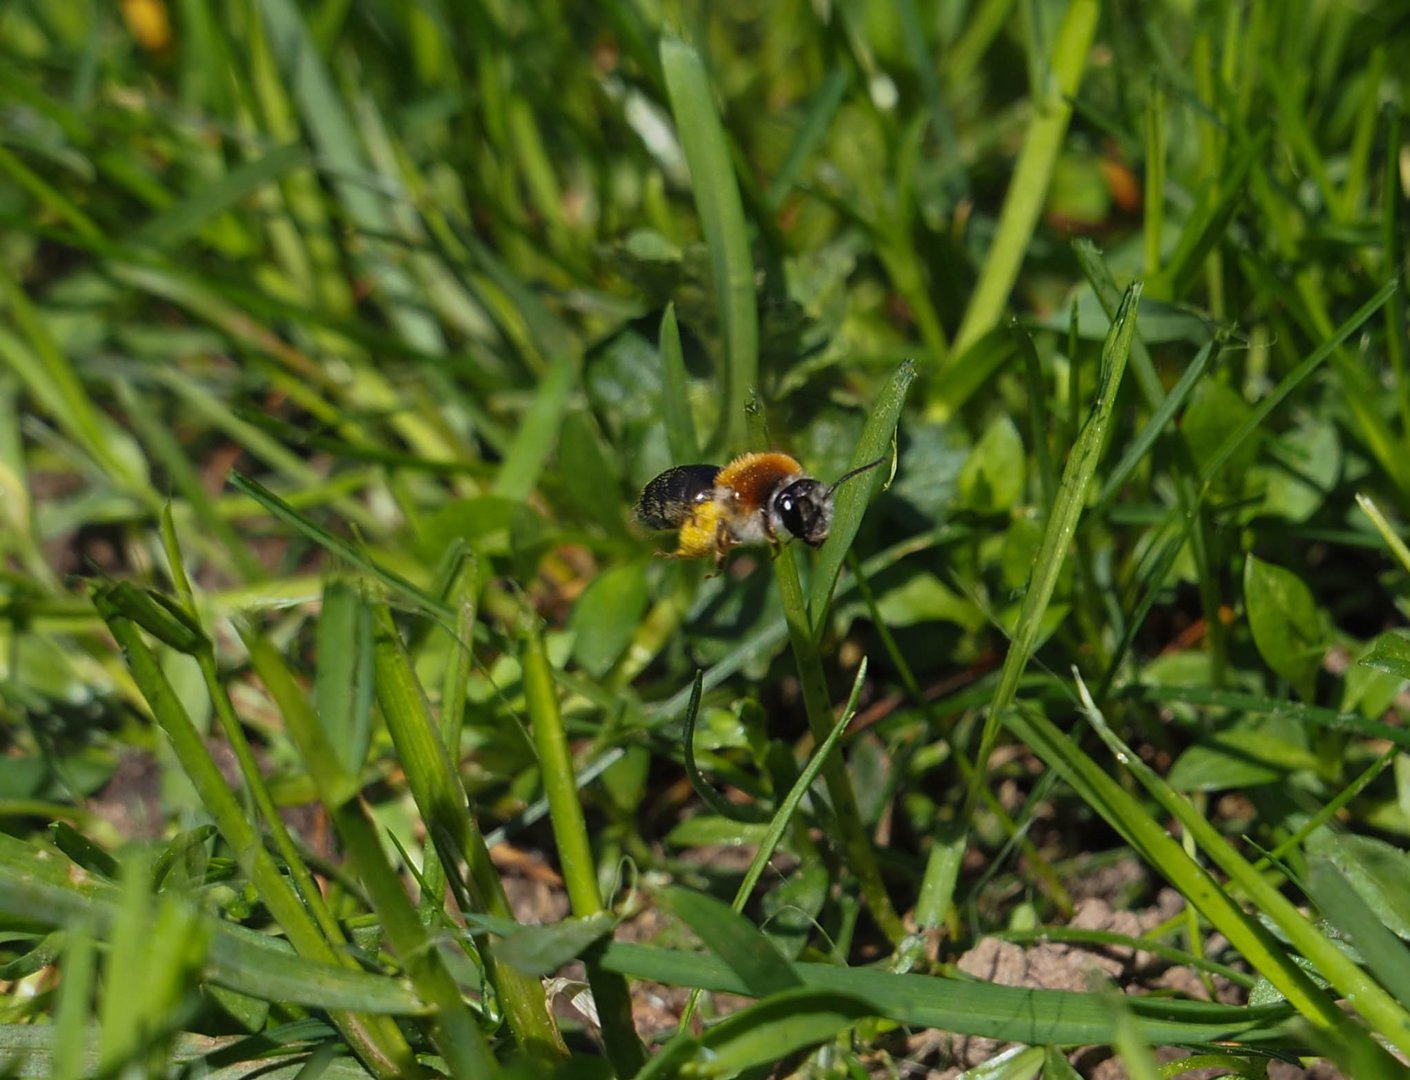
[336,342]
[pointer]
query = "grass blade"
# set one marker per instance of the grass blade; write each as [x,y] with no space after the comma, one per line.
[380,1046]
[877,438]
[1258,947]
[722,220]
[1062,524]
[964,1006]
[675,393]
[455,1031]
[575,852]
[341,157]
[1052,110]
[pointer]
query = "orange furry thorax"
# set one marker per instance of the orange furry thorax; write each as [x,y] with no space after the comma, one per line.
[757,476]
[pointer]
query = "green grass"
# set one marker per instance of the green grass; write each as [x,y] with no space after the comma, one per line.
[336,342]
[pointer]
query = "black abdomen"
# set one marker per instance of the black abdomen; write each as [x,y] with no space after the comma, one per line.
[669,500]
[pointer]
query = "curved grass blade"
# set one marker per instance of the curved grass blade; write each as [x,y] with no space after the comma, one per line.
[336,545]
[455,1031]
[784,1024]
[245,960]
[380,1046]
[579,867]
[735,940]
[708,795]
[876,440]
[964,1006]
[707,155]
[817,702]
[768,844]
[1062,524]
[789,806]
[1387,1015]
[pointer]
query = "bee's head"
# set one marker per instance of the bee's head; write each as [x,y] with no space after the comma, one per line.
[802,509]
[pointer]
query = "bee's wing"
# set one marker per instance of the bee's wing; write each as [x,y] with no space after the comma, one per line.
[670,500]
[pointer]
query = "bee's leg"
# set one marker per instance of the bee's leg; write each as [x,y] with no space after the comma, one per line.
[775,544]
[723,542]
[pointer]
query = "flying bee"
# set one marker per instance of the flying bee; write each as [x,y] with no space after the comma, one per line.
[755,499]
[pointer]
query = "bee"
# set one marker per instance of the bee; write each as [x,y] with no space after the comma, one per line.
[755,499]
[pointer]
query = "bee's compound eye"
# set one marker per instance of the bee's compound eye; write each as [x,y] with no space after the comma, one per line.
[804,510]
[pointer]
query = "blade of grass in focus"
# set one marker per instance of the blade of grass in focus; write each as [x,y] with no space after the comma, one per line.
[1061,524]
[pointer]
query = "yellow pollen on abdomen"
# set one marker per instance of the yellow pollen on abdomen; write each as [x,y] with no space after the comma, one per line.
[697,535]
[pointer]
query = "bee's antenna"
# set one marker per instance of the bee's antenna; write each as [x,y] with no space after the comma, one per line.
[857,472]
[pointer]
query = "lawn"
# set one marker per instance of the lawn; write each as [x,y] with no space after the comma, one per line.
[353,722]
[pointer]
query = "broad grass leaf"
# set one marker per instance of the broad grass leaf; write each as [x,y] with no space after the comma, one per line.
[1305,467]
[1213,412]
[791,908]
[755,1040]
[1286,628]
[1390,653]
[924,598]
[343,684]
[736,941]
[1241,757]
[588,475]
[1008,1013]
[1378,871]
[992,479]
[1346,909]
[541,950]
[607,615]
[783,1024]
